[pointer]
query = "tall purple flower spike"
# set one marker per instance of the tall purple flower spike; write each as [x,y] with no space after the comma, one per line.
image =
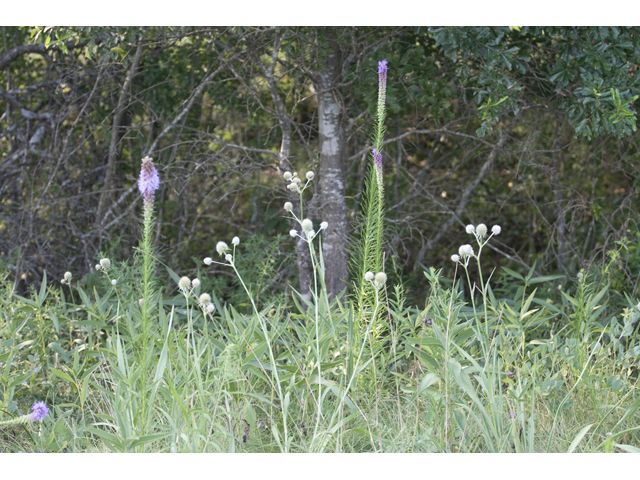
[149,180]
[382,72]
[40,411]
[377,159]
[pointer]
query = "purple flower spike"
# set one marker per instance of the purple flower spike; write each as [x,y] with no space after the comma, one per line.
[382,72]
[149,180]
[377,159]
[40,411]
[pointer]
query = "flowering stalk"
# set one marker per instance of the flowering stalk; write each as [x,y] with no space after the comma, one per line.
[38,411]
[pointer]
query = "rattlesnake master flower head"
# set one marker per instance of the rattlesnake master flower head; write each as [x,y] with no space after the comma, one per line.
[288,206]
[235,241]
[287,176]
[184,283]
[97,266]
[105,263]
[311,233]
[222,248]
[310,175]
[38,411]
[207,261]
[455,258]
[229,258]
[293,232]
[205,299]
[141,302]
[470,229]
[496,229]
[324,226]
[149,180]
[297,180]
[369,276]
[381,278]
[67,276]
[307,224]
[114,282]
[195,282]
[481,229]
[211,308]
[465,251]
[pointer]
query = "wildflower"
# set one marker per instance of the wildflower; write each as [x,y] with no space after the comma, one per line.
[377,159]
[481,230]
[141,302]
[382,72]
[369,276]
[229,258]
[207,261]
[324,226]
[293,187]
[297,180]
[310,175]
[465,251]
[307,225]
[184,283]
[512,415]
[288,206]
[63,281]
[455,258]
[496,229]
[149,180]
[67,276]
[105,263]
[195,282]
[38,411]
[470,229]
[205,299]
[381,278]
[236,241]
[114,282]
[426,321]
[293,232]
[211,308]
[580,275]
[97,266]
[221,248]
[287,176]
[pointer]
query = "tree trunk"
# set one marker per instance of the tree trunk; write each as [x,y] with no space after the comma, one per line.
[334,208]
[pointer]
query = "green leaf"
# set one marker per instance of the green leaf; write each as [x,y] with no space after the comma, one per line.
[578,438]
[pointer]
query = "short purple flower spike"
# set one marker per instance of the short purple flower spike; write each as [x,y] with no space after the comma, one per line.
[40,411]
[377,159]
[149,180]
[382,72]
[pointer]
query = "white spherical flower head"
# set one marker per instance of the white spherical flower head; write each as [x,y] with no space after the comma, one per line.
[114,282]
[67,276]
[211,308]
[311,233]
[307,224]
[287,176]
[381,278]
[310,175]
[455,258]
[369,276]
[496,229]
[207,261]
[63,281]
[288,206]
[195,282]
[465,251]
[184,283]
[235,241]
[229,258]
[222,248]
[481,229]
[105,263]
[293,187]
[324,226]
[205,299]
[297,180]
[141,302]
[293,232]
[98,267]
[470,229]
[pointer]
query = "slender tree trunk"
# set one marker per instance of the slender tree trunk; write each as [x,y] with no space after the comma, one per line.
[557,194]
[334,208]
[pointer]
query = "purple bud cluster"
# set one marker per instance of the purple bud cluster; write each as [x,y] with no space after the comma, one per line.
[149,180]
[382,73]
[377,159]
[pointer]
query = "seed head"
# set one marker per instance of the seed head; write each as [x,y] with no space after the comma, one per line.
[470,229]
[293,232]
[481,229]
[184,283]
[235,241]
[310,175]
[114,282]
[207,261]
[307,225]
[205,299]
[369,276]
[324,226]
[381,278]
[455,258]
[496,229]
[105,263]
[288,206]
[195,282]
[67,276]
[221,248]
[287,176]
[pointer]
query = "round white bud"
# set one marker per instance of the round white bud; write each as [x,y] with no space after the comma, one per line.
[235,241]
[470,229]
[287,176]
[381,278]
[297,180]
[288,206]
[307,224]
[324,226]
[481,229]
[211,308]
[455,258]
[465,250]
[221,248]
[310,175]
[369,276]
[205,299]
[207,261]
[105,263]
[114,282]
[195,282]
[293,232]
[311,233]
[63,281]
[141,302]
[184,283]
[67,276]
[229,258]
[496,229]
[98,267]
[293,187]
